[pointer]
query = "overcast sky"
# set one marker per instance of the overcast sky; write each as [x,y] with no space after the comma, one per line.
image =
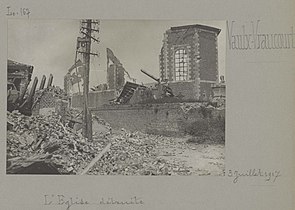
[49,45]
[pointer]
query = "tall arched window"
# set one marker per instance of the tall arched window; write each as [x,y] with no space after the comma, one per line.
[180,65]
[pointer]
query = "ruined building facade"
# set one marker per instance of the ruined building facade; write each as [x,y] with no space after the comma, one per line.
[115,76]
[189,60]
[115,71]
[20,75]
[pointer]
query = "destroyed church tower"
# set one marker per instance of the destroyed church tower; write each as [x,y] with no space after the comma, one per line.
[189,60]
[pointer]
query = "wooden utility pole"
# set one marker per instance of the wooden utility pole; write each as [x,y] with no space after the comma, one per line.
[86,29]
[87,131]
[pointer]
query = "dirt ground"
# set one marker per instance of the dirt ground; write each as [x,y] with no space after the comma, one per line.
[160,155]
[147,154]
[201,159]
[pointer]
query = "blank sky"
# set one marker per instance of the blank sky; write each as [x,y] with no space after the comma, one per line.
[49,45]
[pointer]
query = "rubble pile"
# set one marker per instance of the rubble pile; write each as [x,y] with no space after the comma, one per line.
[136,154]
[49,145]
[187,107]
[76,113]
[39,135]
[73,116]
[57,93]
[190,107]
[100,127]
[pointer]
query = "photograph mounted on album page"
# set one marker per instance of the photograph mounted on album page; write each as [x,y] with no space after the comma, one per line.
[182,105]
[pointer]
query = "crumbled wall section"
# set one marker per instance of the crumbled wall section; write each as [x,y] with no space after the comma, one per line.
[185,89]
[95,99]
[163,119]
[115,76]
[46,101]
[205,91]
[111,76]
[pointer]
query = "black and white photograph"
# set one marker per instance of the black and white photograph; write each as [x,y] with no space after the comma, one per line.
[116,97]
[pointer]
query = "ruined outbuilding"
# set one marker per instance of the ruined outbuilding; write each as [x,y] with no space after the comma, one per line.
[18,78]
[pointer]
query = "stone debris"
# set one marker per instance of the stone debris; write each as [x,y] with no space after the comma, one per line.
[136,154]
[36,164]
[187,107]
[51,143]
[39,135]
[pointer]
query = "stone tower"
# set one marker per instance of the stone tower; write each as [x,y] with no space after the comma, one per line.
[189,60]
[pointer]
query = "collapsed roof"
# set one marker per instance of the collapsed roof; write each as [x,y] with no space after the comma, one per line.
[127,92]
[18,69]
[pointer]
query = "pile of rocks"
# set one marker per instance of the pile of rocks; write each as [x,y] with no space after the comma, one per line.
[29,136]
[50,139]
[135,154]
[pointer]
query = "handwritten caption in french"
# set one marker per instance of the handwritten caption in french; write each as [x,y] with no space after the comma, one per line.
[270,176]
[70,201]
[267,176]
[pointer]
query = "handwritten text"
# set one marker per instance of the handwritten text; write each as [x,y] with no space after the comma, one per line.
[70,201]
[267,176]
[12,12]
[250,38]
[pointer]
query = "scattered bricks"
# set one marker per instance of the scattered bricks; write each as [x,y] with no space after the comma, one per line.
[128,153]
[37,135]
[134,154]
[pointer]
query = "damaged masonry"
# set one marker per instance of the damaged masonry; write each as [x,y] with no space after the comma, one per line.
[173,124]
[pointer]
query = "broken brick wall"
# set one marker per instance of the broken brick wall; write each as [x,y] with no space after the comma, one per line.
[96,99]
[187,90]
[46,102]
[115,76]
[163,119]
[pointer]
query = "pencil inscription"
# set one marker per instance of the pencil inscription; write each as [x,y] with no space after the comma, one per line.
[70,201]
[267,176]
[22,11]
